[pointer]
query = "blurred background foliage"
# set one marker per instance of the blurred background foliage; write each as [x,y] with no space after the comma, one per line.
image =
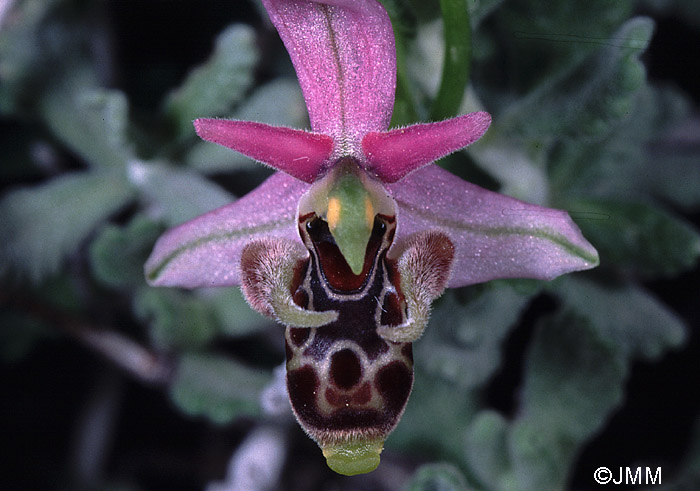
[520,385]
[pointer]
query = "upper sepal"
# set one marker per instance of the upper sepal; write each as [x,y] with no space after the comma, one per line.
[344,56]
[206,251]
[495,236]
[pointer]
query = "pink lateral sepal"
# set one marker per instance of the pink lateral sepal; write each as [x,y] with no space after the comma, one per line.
[495,236]
[206,251]
[392,155]
[300,154]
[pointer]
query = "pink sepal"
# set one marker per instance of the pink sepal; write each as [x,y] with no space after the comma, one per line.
[206,251]
[344,56]
[391,155]
[495,236]
[300,154]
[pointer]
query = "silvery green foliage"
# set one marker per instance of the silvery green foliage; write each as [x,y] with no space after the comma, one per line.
[577,125]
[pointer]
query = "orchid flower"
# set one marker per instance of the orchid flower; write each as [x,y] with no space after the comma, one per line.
[355,236]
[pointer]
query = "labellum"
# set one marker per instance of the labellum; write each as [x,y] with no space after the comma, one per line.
[351,312]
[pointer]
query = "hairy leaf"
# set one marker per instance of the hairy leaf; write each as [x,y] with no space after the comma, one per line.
[630,318]
[176,319]
[437,477]
[638,237]
[487,450]
[588,101]
[462,344]
[216,387]
[90,120]
[118,253]
[213,88]
[573,380]
[176,195]
[40,226]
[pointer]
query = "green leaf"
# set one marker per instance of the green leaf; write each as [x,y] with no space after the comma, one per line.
[23,59]
[263,106]
[437,477]
[462,343]
[177,195]
[233,314]
[90,120]
[40,226]
[118,253]
[590,100]
[574,378]
[545,40]
[456,59]
[404,22]
[626,164]
[635,322]
[480,10]
[213,88]
[435,421]
[176,319]
[678,183]
[637,236]
[487,450]
[217,388]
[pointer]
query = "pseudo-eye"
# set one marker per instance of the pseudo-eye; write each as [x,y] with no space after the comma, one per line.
[349,243]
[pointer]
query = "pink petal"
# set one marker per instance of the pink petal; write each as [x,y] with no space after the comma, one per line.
[298,153]
[495,236]
[206,250]
[391,155]
[343,52]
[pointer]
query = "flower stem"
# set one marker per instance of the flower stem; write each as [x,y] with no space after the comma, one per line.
[456,65]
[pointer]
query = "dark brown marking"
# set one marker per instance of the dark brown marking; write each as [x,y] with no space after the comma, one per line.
[301,298]
[288,350]
[346,369]
[362,419]
[394,382]
[392,314]
[356,323]
[303,385]
[299,335]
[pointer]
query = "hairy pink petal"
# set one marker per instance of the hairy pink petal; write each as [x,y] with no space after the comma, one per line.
[206,250]
[495,236]
[344,56]
[391,155]
[298,153]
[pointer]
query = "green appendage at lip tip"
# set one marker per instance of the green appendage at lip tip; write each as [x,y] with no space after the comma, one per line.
[350,459]
[153,274]
[554,238]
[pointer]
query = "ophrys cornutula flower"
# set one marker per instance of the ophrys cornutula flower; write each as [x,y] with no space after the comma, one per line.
[359,232]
